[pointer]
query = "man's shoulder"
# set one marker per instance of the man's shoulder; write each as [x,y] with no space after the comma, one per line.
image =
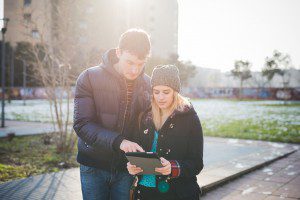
[90,71]
[95,69]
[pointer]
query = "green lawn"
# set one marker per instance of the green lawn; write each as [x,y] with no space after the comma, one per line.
[249,129]
[25,156]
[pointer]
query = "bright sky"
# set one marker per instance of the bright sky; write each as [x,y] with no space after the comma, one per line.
[215,33]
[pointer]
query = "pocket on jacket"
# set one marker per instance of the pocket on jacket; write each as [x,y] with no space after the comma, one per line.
[187,189]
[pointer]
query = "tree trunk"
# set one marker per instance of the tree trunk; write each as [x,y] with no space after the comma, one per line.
[240,91]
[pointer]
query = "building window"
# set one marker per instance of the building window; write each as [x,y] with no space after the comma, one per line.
[35,34]
[27,17]
[90,10]
[27,2]
[83,25]
[82,39]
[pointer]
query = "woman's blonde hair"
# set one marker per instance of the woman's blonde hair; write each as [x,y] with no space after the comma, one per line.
[179,103]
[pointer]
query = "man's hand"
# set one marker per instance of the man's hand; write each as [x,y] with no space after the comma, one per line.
[128,146]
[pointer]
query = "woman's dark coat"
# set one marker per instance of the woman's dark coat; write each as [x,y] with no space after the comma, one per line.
[180,139]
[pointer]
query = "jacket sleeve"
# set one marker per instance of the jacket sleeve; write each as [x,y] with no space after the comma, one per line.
[194,162]
[85,118]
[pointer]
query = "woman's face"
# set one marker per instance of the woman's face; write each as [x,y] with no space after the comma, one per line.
[163,96]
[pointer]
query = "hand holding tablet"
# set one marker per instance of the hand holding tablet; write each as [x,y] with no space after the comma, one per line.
[146,161]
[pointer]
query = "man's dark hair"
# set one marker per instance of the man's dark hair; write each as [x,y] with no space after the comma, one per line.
[136,41]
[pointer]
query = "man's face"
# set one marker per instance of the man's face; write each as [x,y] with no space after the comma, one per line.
[130,66]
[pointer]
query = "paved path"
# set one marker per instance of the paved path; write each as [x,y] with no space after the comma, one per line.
[279,180]
[63,185]
[224,160]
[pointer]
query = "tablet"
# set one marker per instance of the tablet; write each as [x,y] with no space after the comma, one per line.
[148,161]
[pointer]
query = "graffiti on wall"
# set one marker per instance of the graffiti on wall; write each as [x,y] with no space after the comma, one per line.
[247,93]
[35,93]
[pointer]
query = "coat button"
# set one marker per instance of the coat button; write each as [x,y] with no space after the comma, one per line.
[146,131]
[162,136]
[139,191]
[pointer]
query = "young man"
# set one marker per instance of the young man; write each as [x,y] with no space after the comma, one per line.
[108,100]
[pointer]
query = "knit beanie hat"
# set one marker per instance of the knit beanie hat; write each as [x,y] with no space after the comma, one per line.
[167,75]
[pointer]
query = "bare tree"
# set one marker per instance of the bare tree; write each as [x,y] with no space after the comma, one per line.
[187,69]
[242,72]
[279,64]
[52,65]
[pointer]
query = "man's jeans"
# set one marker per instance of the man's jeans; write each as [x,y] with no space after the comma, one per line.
[97,184]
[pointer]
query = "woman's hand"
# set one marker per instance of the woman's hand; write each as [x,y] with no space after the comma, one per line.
[166,169]
[132,169]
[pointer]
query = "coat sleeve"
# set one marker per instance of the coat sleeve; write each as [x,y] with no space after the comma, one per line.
[85,118]
[193,164]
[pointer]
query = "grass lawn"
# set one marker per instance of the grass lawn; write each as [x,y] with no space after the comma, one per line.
[25,156]
[262,130]
[257,120]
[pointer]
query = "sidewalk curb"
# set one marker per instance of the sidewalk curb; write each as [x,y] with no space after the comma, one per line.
[211,186]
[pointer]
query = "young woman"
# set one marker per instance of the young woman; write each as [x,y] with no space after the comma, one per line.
[172,129]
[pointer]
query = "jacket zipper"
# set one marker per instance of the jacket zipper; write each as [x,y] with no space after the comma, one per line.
[113,160]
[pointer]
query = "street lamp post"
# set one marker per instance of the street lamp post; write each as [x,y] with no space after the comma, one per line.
[3,30]
[24,81]
[12,68]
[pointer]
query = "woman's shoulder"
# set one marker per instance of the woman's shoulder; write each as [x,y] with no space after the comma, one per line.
[187,116]
[187,109]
